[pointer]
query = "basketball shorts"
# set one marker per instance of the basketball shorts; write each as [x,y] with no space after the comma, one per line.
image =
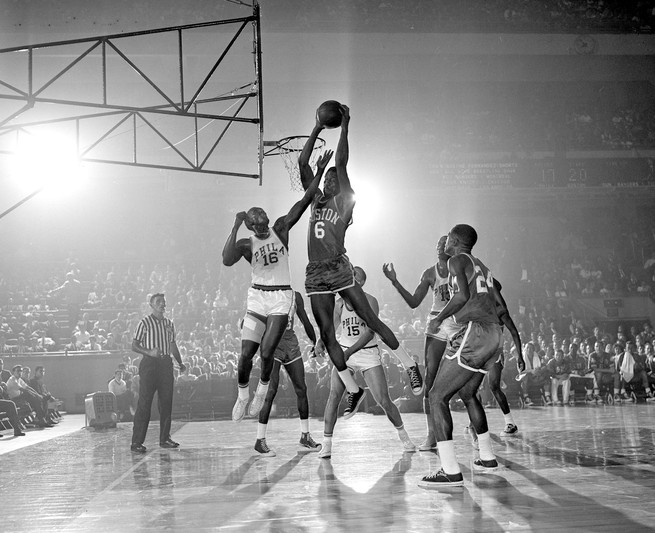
[288,350]
[445,331]
[474,346]
[364,359]
[266,303]
[329,276]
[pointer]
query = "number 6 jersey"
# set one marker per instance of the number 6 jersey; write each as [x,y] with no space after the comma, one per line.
[270,261]
[328,221]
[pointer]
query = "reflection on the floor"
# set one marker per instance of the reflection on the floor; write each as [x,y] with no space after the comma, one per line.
[582,468]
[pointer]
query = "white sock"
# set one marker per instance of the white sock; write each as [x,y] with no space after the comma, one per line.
[244,392]
[262,388]
[509,419]
[304,425]
[261,430]
[404,358]
[402,432]
[327,441]
[348,380]
[484,443]
[448,458]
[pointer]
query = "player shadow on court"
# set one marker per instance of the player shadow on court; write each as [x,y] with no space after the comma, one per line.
[586,460]
[384,504]
[562,510]
[220,504]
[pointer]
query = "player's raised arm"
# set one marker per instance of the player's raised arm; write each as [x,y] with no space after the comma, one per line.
[234,250]
[413,300]
[297,210]
[343,153]
[306,173]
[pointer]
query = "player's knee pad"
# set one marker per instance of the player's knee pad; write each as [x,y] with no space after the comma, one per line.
[252,329]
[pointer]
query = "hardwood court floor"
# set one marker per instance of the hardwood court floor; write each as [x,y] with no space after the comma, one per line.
[569,469]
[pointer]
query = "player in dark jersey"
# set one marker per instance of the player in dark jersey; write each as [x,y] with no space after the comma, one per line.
[329,270]
[468,357]
[288,355]
[495,371]
[270,296]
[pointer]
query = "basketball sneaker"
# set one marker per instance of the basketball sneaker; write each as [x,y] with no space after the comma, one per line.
[408,445]
[510,429]
[626,397]
[415,380]
[262,448]
[441,479]
[326,450]
[353,401]
[548,401]
[239,410]
[527,401]
[650,396]
[617,398]
[428,445]
[257,401]
[572,402]
[481,466]
[558,403]
[598,399]
[309,444]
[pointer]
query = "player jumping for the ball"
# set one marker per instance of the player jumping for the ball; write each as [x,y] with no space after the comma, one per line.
[329,270]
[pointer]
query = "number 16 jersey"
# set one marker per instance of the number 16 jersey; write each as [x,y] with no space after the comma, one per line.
[270,261]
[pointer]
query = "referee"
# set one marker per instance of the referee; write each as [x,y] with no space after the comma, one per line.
[155,341]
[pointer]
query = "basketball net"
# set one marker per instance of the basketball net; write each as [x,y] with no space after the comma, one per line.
[289,150]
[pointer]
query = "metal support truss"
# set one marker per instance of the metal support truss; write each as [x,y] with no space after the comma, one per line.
[170,117]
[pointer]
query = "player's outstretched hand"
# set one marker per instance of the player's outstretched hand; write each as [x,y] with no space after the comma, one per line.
[520,364]
[319,348]
[240,216]
[345,111]
[389,272]
[324,159]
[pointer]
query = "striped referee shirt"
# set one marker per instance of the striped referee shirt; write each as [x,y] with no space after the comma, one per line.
[154,333]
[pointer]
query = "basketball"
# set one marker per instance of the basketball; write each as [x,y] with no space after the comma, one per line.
[329,114]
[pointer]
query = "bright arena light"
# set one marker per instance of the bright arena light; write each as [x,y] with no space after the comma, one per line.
[47,161]
[369,201]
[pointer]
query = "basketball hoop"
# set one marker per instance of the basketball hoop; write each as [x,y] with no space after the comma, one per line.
[289,149]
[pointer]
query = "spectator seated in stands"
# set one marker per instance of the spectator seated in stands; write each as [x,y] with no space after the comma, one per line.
[9,410]
[601,364]
[559,369]
[581,377]
[535,376]
[123,396]
[631,370]
[50,403]
[22,394]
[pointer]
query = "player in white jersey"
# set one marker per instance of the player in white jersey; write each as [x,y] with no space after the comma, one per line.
[360,347]
[270,295]
[434,278]
[288,355]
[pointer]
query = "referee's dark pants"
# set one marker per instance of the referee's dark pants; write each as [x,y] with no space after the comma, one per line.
[155,374]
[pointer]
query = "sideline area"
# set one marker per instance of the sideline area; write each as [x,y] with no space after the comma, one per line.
[69,424]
